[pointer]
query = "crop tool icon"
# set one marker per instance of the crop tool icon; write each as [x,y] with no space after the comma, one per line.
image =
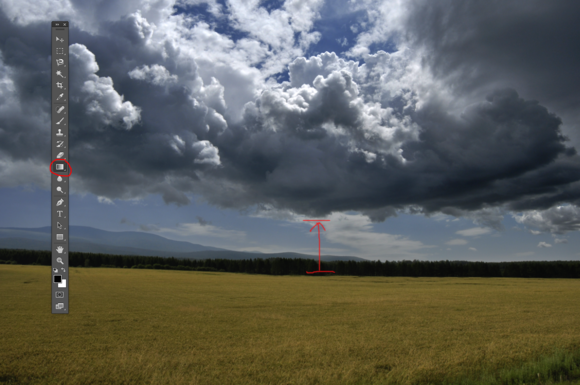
[318,224]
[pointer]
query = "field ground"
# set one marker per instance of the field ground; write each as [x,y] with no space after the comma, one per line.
[176,327]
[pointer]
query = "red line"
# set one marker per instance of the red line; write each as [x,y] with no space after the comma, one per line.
[316,220]
[319,248]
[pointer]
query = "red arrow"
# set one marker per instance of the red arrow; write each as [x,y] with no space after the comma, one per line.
[318,224]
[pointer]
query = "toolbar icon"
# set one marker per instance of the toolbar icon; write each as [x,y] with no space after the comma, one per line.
[59,189]
[59,250]
[60,109]
[59,179]
[59,166]
[60,202]
[60,143]
[59,294]
[55,270]
[60,96]
[59,280]
[59,306]
[59,39]
[58,73]
[59,212]
[59,62]
[60,155]
[59,133]
[59,85]
[59,225]
[60,121]
[59,237]
[60,51]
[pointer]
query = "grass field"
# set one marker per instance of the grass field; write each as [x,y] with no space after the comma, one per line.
[175,327]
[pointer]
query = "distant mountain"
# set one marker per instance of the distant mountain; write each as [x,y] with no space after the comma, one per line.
[91,240]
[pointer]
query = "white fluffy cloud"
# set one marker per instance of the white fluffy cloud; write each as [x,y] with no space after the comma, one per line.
[557,220]
[206,153]
[155,74]
[473,232]
[100,98]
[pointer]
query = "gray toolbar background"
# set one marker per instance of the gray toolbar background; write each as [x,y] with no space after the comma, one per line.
[59,203]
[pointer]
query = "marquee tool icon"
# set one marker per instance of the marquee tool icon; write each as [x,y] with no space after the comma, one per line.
[318,224]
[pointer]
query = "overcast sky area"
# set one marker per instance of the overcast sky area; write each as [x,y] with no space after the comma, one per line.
[422,129]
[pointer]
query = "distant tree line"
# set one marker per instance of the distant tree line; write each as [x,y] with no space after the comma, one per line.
[289,266]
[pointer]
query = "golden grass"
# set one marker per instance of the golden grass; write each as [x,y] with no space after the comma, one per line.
[176,327]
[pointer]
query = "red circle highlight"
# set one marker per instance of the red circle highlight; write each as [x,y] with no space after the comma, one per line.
[69,167]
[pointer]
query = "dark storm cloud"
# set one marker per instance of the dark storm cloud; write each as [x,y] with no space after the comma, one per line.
[149,117]
[467,163]
[202,221]
[531,46]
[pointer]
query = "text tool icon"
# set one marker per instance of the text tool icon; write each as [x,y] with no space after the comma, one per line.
[59,212]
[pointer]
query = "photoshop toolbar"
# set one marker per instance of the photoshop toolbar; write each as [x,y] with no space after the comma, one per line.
[60,167]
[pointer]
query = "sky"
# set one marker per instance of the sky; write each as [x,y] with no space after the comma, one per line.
[422,130]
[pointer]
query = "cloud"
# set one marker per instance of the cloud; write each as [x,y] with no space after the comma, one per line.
[355,232]
[544,245]
[557,220]
[560,240]
[182,104]
[455,242]
[202,221]
[105,200]
[475,231]
[102,102]
[156,75]
[204,232]
[472,249]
